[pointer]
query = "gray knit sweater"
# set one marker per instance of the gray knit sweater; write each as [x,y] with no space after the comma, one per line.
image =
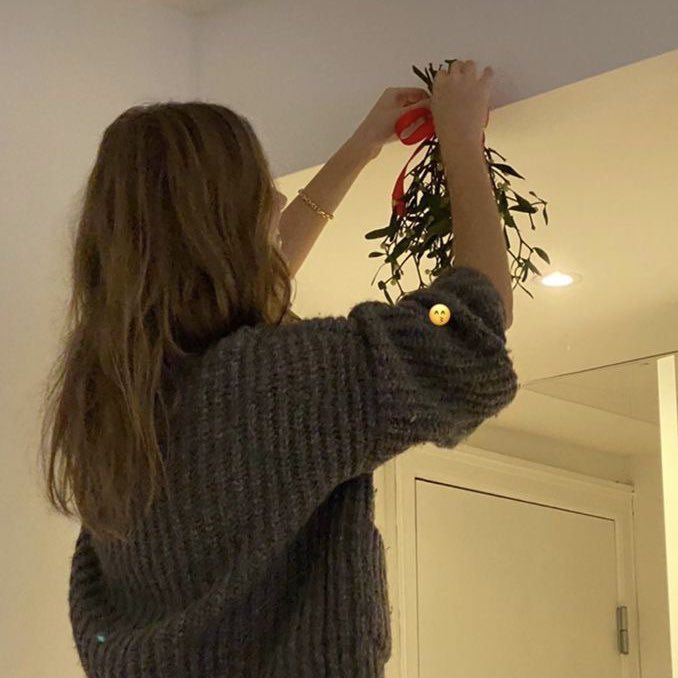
[264,561]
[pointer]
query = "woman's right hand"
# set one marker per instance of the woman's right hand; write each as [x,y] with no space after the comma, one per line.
[460,103]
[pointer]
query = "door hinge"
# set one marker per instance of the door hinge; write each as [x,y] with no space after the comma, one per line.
[623,629]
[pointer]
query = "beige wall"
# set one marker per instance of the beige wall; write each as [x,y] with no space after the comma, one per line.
[667,373]
[651,567]
[68,69]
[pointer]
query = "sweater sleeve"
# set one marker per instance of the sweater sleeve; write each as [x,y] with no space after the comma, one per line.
[435,383]
[329,398]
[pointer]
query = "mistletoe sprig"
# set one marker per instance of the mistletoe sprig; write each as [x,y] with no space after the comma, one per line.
[425,227]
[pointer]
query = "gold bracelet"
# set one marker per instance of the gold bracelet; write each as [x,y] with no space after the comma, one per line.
[310,202]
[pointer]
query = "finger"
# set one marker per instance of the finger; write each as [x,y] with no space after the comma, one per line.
[411,91]
[407,95]
[488,73]
[422,103]
[457,67]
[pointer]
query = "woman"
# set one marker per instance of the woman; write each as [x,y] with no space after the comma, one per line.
[217,449]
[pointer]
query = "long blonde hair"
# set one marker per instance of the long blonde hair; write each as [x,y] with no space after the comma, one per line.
[172,250]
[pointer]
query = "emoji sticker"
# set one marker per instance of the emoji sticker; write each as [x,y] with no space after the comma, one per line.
[439,314]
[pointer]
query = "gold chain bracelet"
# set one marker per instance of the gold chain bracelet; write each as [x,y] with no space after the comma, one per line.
[310,202]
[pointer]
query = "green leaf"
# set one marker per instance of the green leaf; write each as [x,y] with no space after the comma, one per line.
[523,206]
[533,268]
[522,200]
[376,254]
[503,202]
[503,206]
[378,233]
[382,287]
[540,252]
[507,169]
[398,249]
[440,204]
[509,219]
[425,201]
[439,227]
[424,77]
[423,246]
[529,209]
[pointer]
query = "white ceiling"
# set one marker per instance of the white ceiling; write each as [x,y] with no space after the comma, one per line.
[191,6]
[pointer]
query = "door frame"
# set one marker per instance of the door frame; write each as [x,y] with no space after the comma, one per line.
[493,473]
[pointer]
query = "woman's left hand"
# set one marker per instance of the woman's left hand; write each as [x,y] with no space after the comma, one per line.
[378,127]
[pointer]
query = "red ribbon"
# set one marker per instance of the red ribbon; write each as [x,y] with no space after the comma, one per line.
[424,131]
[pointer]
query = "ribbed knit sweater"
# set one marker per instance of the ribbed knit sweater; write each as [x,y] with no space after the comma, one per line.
[263,560]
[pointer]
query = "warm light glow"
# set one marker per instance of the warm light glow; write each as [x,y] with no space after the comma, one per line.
[557,279]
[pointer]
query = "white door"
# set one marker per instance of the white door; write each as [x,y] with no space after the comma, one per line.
[513,589]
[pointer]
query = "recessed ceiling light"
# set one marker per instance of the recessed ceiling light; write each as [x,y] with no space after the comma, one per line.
[559,279]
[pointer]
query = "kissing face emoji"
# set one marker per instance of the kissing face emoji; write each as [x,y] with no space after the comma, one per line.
[439,314]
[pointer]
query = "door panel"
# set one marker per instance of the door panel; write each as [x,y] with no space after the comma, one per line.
[513,589]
